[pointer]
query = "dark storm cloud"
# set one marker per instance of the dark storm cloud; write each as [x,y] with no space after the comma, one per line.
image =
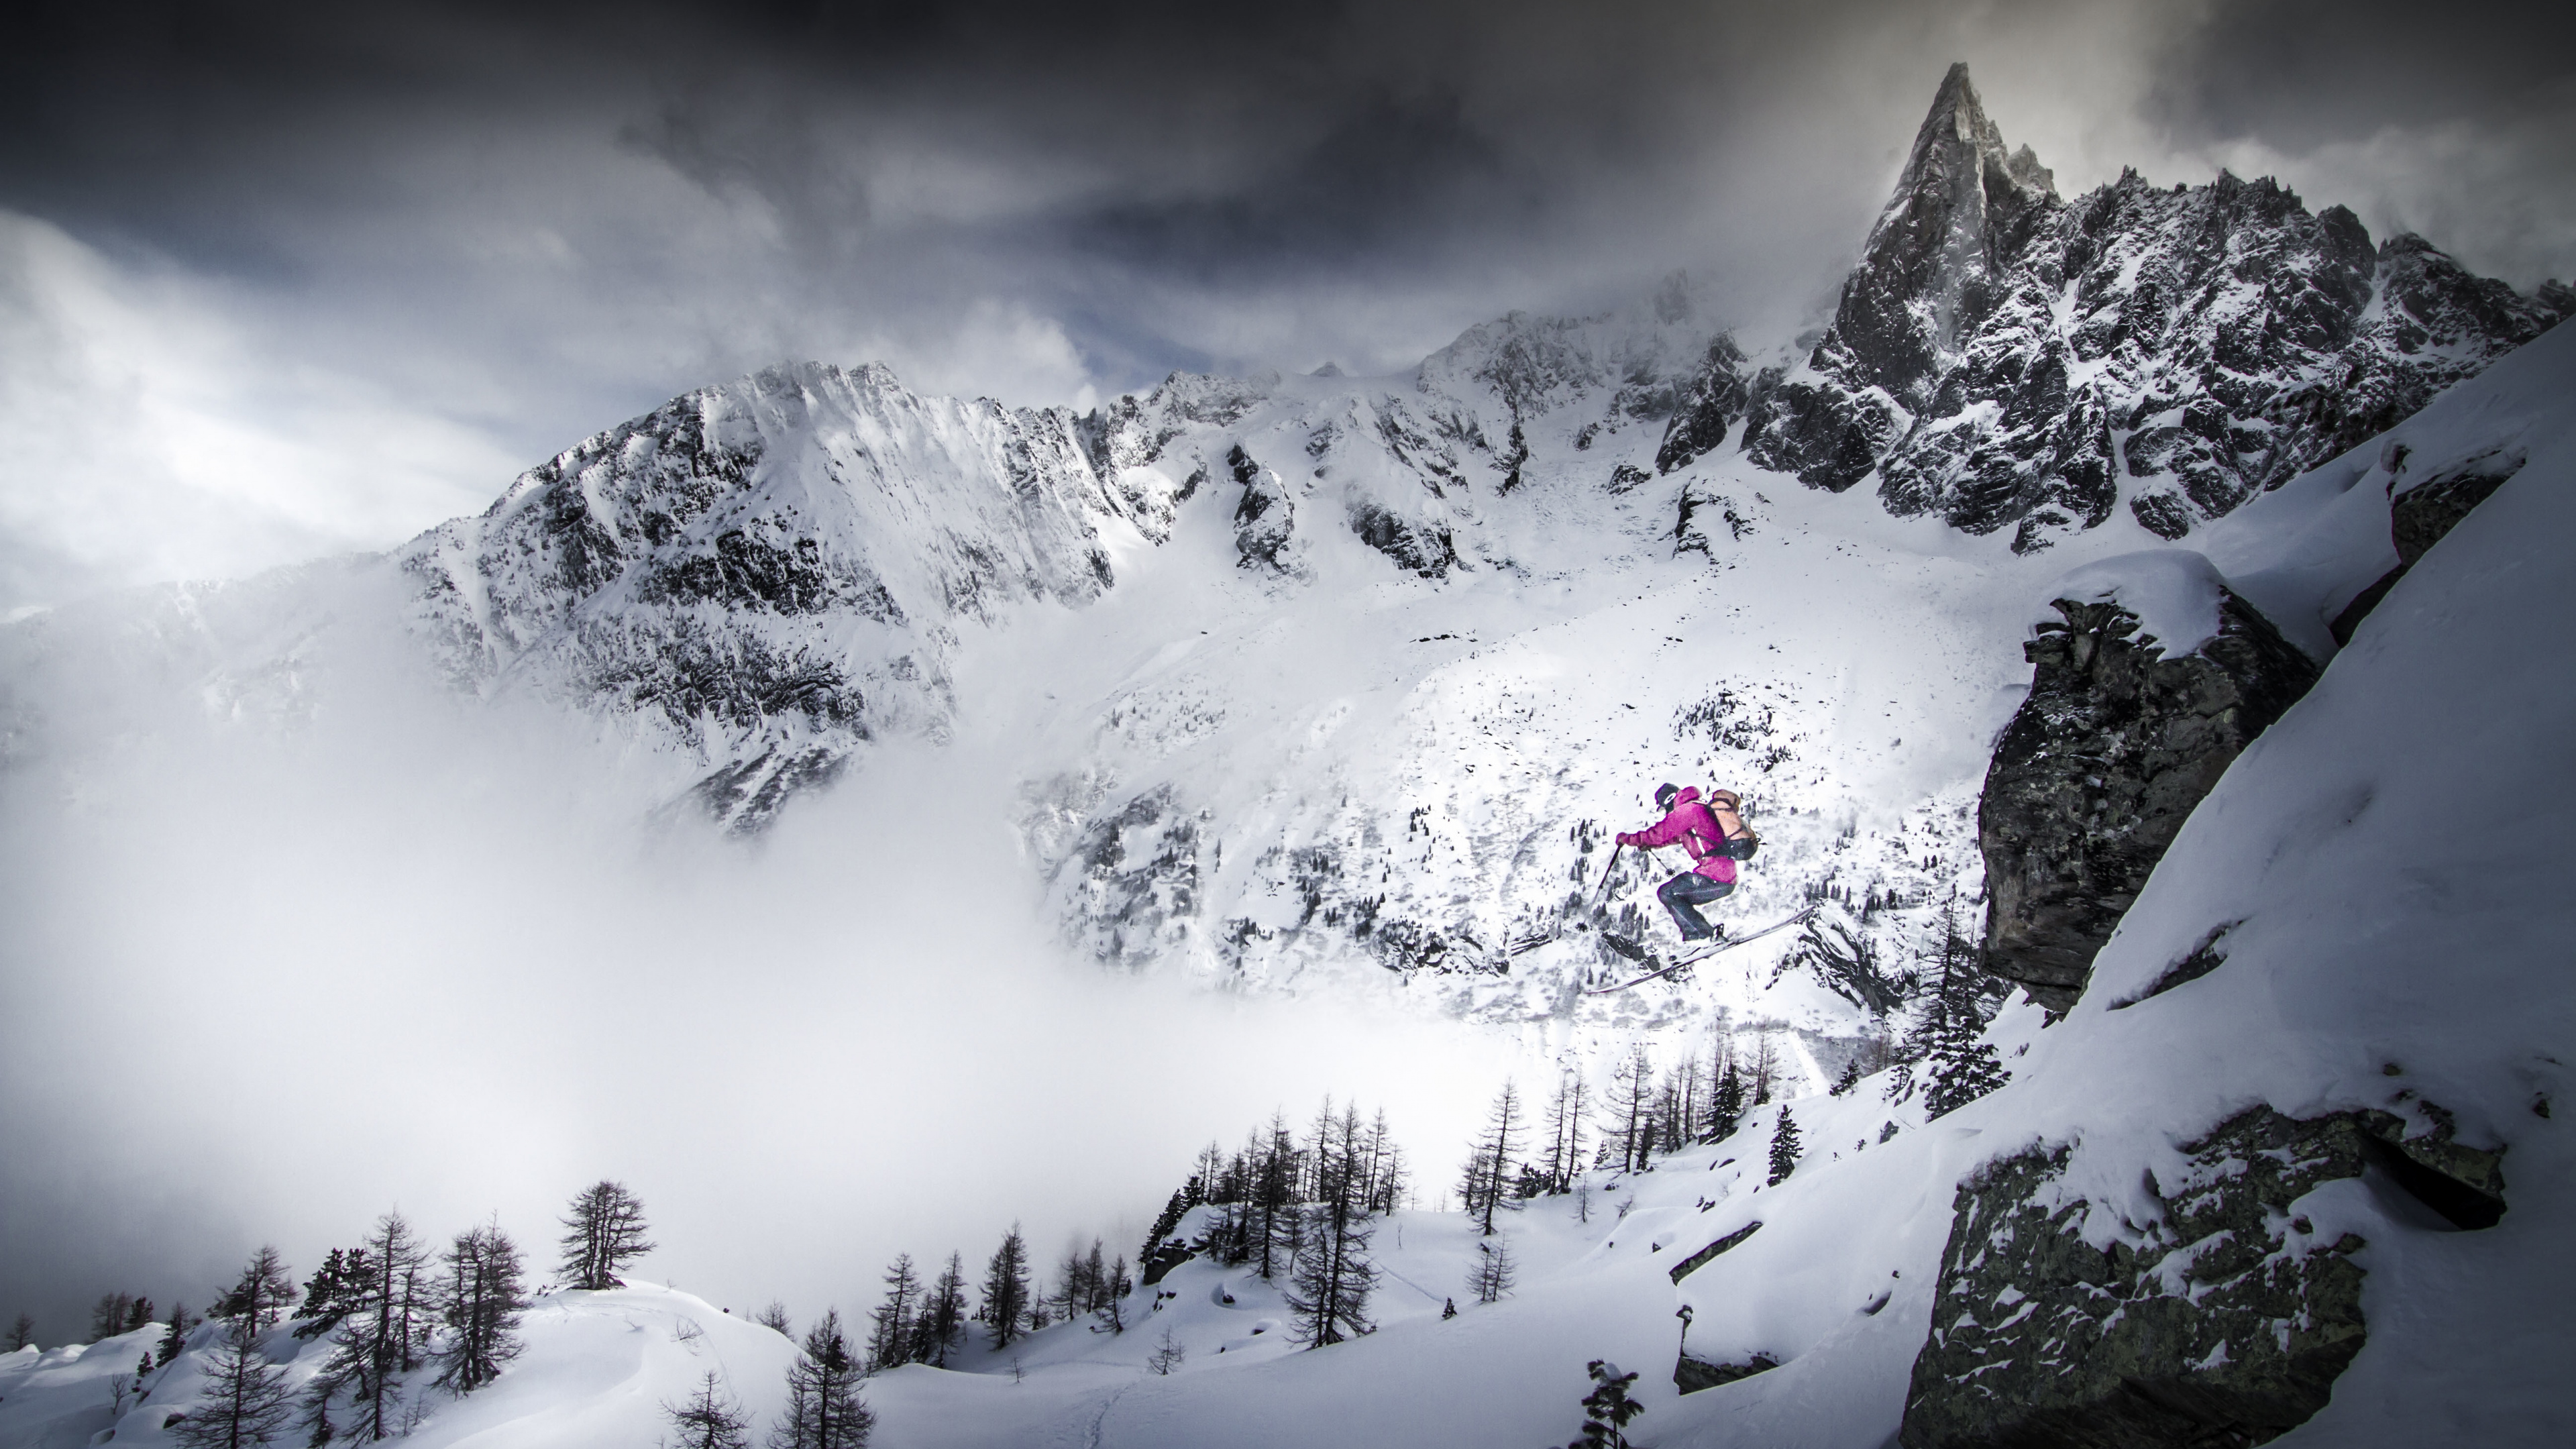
[2304,73]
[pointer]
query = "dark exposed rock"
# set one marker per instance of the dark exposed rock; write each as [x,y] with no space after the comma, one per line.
[1424,550]
[1715,399]
[1691,1375]
[746,795]
[2223,1320]
[2098,770]
[2202,959]
[1162,1260]
[1265,516]
[1700,1259]
[2010,360]
[2420,516]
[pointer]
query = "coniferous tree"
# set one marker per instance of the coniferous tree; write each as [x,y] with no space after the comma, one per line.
[1095,1280]
[1487,1172]
[379,1339]
[22,1332]
[941,1324]
[823,1406]
[890,1324]
[1492,1275]
[138,1314]
[245,1400]
[264,1293]
[1169,1220]
[1565,1132]
[107,1316]
[1274,1192]
[174,1339]
[483,1297]
[1116,1296]
[1964,1066]
[1389,1178]
[710,1419]
[1728,1111]
[1849,1079]
[337,1286]
[1331,1276]
[1006,1289]
[1607,1409]
[775,1319]
[1784,1148]
[1628,1134]
[603,1232]
[1766,1063]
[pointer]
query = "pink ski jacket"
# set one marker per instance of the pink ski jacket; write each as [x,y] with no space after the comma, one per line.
[1696,829]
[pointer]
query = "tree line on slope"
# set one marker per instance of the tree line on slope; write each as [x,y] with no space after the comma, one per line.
[390,1308]
[1298,1207]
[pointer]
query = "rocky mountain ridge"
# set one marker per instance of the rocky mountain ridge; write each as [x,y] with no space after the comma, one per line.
[2003,358]
[1423,642]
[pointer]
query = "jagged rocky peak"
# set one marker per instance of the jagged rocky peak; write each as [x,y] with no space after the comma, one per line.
[2009,360]
[1962,211]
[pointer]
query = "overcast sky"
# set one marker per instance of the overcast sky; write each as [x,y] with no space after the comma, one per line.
[281,279]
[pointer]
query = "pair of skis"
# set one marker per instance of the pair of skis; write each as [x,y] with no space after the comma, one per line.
[1688,958]
[1526,944]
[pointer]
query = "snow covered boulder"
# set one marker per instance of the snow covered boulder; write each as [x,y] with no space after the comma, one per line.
[2225,1318]
[2152,680]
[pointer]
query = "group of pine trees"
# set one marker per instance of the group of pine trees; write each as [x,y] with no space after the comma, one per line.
[1523,1154]
[390,1307]
[1299,1208]
[927,1321]
[1943,1053]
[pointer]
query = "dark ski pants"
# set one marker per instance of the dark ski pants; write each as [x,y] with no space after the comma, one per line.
[1684,894]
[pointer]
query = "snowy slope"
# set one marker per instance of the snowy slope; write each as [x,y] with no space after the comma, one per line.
[1334,684]
[596,1369]
[2388,880]
[1236,754]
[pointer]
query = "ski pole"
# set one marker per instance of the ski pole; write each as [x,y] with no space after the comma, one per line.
[1602,892]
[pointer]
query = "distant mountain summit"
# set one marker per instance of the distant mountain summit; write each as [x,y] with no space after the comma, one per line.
[773,570]
[2005,358]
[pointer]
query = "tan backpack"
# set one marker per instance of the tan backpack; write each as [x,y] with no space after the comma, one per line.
[1735,847]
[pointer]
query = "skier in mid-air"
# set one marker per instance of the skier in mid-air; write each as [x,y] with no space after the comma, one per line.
[1716,837]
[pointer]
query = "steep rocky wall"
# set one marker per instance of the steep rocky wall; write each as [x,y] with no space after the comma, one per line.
[2224,1319]
[2098,770]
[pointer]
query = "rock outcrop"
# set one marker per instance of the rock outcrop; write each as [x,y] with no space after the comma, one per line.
[2099,768]
[2008,359]
[2222,1319]
[2422,514]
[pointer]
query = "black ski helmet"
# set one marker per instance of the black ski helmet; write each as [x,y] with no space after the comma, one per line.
[1664,796]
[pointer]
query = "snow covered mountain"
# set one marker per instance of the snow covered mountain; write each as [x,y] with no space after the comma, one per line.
[2224,684]
[2005,358]
[2287,1166]
[1342,684]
